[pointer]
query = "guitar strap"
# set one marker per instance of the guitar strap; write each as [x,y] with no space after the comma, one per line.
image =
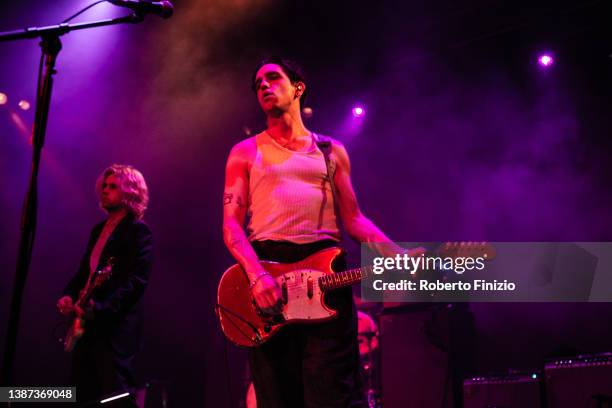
[325,145]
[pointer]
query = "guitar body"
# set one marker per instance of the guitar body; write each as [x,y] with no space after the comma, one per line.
[75,332]
[303,300]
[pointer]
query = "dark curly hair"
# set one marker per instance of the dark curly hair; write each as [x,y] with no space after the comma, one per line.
[289,67]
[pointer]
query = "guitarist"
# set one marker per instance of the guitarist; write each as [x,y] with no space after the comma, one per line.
[102,362]
[279,178]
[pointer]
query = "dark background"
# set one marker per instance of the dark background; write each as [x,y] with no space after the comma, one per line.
[465,138]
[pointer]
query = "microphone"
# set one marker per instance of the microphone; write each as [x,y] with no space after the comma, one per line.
[164,9]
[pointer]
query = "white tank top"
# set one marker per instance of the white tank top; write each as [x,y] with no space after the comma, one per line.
[290,196]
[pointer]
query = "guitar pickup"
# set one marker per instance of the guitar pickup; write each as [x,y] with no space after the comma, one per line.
[285,294]
[310,287]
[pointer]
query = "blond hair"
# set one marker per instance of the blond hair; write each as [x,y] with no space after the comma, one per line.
[135,193]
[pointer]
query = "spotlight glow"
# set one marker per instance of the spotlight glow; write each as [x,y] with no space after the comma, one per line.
[545,60]
[23,104]
[116,397]
[358,111]
[3,98]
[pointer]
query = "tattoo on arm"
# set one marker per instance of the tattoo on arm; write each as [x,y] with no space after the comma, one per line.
[236,242]
[228,198]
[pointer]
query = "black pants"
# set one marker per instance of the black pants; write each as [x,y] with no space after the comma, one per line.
[310,365]
[98,372]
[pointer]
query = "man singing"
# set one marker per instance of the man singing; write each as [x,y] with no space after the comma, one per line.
[280,179]
[103,358]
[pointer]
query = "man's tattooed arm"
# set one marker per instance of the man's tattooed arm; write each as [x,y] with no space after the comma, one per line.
[234,214]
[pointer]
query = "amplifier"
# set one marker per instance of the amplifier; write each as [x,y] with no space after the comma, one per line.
[584,381]
[521,390]
[426,349]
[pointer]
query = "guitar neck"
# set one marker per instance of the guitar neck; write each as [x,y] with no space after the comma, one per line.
[447,250]
[94,281]
[342,279]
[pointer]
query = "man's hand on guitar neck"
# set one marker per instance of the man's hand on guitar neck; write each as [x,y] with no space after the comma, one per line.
[415,252]
[67,307]
[267,293]
[391,249]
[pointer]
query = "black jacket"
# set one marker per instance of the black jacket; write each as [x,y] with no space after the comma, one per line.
[118,302]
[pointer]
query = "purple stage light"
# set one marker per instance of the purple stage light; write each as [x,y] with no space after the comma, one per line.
[358,111]
[545,60]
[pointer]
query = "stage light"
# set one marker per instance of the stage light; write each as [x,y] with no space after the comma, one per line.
[307,112]
[24,105]
[116,397]
[358,111]
[3,98]
[545,60]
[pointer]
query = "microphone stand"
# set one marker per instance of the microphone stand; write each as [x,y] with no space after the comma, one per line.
[50,45]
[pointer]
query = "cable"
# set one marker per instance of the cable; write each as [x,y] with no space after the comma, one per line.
[83,10]
[239,317]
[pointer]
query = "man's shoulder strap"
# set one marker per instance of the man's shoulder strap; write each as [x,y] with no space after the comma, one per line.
[325,144]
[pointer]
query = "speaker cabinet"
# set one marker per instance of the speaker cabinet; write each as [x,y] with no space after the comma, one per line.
[423,356]
[583,381]
[511,391]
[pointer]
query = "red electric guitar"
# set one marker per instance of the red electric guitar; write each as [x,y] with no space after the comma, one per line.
[77,326]
[303,285]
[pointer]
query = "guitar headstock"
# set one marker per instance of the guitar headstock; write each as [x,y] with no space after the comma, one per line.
[467,249]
